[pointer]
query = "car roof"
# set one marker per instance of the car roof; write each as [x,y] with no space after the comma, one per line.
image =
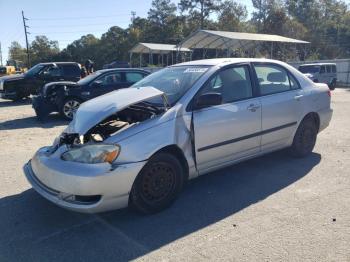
[318,64]
[226,61]
[123,70]
[59,63]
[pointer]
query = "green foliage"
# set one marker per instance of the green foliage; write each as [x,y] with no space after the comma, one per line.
[17,52]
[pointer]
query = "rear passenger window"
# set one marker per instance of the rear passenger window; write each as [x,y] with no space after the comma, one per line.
[328,69]
[133,77]
[233,84]
[71,70]
[272,79]
[323,70]
[334,69]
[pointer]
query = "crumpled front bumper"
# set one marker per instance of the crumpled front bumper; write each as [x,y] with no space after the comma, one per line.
[42,107]
[87,188]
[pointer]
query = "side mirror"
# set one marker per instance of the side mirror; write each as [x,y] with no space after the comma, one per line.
[206,100]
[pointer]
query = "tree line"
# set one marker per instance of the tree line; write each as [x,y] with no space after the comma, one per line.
[324,23]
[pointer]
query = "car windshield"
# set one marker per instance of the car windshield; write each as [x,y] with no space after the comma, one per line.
[86,80]
[309,69]
[173,81]
[34,70]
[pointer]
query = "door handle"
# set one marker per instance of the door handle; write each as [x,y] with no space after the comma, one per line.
[297,97]
[253,107]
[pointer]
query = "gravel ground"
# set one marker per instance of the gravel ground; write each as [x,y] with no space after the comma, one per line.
[273,208]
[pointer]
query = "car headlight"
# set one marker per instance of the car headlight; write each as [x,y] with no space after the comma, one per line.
[92,154]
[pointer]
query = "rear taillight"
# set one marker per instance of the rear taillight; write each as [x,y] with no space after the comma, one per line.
[329,93]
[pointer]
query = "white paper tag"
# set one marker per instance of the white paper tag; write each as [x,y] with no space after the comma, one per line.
[195,70]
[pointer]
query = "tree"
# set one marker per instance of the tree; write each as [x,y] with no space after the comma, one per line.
[17,52]
[87,47]
[161,12]
[42,49]
[264,10]
[199,9]
[231,16]
[161,19]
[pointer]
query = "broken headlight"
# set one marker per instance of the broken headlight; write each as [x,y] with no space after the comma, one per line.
[93,154]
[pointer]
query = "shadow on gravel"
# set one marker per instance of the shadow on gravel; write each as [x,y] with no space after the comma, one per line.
[29,122]
[8,103]
[33,229]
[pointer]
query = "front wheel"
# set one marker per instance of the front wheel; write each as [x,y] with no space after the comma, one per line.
[158,184]
[304,139]
[69,107]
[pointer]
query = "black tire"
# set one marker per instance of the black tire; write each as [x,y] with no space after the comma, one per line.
[304,139]
[332,85]
[75,102]
[158,184]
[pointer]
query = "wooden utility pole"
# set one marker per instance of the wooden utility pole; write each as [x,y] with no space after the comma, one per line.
[26,35]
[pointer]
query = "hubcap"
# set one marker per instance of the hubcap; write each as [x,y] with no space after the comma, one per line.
[70,107]
[158,182]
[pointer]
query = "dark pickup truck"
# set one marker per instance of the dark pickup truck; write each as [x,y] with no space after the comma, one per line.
[19,86]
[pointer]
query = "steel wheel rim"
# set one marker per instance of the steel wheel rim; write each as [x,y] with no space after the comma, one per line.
[158,183]
[70,107]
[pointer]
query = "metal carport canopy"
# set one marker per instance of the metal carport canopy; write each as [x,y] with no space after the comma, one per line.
[231,40]
[146,48]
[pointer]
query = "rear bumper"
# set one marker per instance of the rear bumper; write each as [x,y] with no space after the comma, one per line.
[81,187]
[325,118]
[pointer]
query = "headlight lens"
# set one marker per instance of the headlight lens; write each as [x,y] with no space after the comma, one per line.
[93,154]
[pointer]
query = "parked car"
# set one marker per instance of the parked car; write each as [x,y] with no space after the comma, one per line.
[321,73]
[138,146]
[19,86]
[117,64]
[65,97]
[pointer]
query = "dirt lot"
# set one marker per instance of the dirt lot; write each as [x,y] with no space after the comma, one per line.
[273,208]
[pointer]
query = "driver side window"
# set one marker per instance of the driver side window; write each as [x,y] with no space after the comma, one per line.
[110,79]
[52,71]
[233,84]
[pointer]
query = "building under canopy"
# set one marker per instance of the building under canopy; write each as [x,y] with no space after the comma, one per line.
[230,41]
[157,49]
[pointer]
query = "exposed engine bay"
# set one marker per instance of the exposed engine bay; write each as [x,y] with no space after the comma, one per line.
[115,123]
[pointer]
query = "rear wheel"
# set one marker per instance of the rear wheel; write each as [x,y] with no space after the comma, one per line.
[69,107]
[332,84]
[158,184]
[304,138]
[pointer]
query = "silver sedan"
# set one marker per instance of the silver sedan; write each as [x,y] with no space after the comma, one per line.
[138,146]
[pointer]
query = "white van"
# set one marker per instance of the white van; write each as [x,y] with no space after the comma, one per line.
[321,73]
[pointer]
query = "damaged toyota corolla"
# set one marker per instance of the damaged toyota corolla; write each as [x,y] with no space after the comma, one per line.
[138,146]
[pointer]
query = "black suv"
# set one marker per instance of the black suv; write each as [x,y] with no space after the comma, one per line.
[16,87]
[66,97]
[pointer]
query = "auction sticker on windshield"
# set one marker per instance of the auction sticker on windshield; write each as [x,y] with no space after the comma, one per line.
[195,70]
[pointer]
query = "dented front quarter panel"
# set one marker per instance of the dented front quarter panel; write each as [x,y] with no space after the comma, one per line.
[143,140]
